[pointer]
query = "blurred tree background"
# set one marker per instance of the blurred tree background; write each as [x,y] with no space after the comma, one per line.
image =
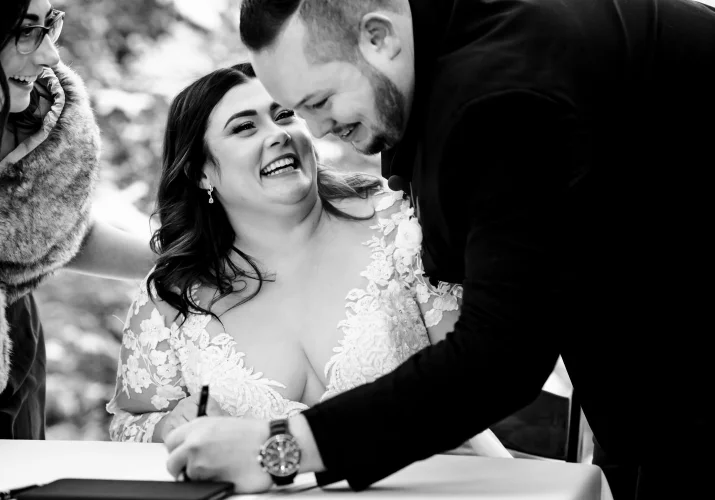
[135,56]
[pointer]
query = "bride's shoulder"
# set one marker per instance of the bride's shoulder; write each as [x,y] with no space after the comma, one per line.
[385,200]
[380,202]
[147,299]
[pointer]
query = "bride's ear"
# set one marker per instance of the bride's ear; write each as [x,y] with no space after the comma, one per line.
[204,183]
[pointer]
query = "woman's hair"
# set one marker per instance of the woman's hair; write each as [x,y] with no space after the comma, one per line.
[196,241]
[11,15]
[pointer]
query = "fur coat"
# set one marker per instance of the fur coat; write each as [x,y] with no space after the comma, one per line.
[46,185]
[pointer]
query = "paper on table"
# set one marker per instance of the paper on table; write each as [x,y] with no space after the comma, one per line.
[302,482]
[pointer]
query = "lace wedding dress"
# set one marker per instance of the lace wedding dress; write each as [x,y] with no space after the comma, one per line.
[160,360]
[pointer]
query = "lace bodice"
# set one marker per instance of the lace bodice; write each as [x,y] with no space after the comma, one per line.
[162,362]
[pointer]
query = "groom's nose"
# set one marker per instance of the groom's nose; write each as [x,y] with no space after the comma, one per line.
[319,127]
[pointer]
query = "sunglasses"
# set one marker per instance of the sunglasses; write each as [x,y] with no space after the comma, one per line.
[29,38]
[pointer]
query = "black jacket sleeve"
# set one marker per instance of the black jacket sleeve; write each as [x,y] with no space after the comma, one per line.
[514,153]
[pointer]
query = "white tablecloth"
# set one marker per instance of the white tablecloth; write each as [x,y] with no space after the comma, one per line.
[31,462]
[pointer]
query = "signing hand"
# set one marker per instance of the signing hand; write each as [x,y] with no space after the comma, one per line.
[185,411]
[220,448]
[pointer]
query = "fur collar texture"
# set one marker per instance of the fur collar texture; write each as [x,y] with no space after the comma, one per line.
[46,186]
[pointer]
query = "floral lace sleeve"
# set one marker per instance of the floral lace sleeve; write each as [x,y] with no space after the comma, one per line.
[435,302]
[440,301]
[149,381]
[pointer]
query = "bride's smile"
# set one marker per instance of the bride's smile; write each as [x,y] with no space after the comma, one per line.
[262,154]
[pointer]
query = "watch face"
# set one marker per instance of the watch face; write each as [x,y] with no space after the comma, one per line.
[280,455]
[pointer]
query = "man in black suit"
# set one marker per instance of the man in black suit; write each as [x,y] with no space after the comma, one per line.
[556,153]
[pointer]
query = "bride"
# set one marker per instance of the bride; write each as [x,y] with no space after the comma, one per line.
[279,283]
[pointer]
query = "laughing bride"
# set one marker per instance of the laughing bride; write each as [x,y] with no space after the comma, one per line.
[279,283]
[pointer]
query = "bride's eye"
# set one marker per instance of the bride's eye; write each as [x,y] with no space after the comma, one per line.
[287,113]
[243,126]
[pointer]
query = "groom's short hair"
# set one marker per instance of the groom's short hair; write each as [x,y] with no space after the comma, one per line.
[333,25]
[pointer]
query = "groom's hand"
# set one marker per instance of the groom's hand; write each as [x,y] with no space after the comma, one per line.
[220,448]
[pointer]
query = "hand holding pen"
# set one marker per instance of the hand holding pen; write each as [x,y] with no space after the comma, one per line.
[203,402]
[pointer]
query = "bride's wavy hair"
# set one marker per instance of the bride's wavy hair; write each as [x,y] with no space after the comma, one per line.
[195,241]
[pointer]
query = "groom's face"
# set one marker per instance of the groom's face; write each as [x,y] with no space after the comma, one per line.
[356,102]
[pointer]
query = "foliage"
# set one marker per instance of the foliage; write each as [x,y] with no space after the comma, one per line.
[134,56]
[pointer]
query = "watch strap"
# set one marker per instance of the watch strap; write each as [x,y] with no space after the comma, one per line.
[276,427]
[279,426]
[284,480]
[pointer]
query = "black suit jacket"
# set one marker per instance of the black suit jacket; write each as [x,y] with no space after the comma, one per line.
[557,151]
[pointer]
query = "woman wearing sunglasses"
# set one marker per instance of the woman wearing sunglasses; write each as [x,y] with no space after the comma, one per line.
[49,165]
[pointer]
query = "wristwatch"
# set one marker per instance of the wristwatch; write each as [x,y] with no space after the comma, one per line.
[280,454]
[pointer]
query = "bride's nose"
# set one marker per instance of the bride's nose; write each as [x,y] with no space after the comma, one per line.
[278,137]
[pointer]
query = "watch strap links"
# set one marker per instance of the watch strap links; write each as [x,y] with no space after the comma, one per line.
[279,426]
[276,427]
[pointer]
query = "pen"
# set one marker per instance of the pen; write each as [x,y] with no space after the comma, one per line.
[203,401]
[10,494]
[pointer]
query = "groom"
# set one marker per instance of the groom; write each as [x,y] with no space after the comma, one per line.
[556,153]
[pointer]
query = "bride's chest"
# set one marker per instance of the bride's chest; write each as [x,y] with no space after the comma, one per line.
[329,315]
[292,324]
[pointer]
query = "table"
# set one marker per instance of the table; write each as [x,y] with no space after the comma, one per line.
[444,476]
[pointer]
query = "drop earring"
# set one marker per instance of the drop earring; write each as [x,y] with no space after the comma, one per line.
[210,190]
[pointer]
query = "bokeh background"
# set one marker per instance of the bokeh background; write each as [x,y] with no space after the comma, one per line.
[135,56]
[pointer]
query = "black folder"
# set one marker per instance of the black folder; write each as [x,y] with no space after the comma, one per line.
[108,489]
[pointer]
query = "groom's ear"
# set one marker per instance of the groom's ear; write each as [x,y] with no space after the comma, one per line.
[379,38]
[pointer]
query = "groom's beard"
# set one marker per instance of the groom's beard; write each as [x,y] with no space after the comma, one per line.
[389,108]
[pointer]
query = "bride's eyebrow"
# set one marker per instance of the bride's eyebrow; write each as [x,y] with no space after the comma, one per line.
[249,112]
[240,114]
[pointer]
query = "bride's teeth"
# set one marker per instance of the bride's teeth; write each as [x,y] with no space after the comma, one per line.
[273,167]
[276,172]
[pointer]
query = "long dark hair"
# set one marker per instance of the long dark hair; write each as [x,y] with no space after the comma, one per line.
[195,241]
[12,12]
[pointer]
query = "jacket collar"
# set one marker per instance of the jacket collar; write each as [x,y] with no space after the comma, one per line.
[430,22]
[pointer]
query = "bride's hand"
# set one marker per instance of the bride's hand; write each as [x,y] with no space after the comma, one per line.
[186,410]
